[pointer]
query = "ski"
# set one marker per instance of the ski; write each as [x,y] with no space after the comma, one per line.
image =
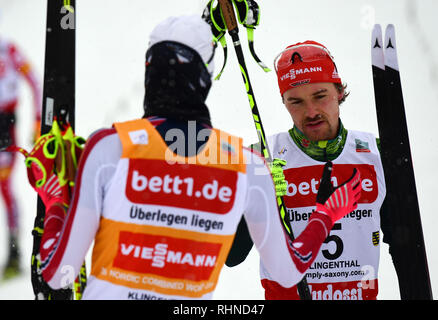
[59,103]
[407,247]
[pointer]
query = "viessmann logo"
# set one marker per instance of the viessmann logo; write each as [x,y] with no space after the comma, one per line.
[292,74]
[303,183]
[166,256]
[186,186]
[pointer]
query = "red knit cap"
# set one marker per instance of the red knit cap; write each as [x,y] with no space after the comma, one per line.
[304,63]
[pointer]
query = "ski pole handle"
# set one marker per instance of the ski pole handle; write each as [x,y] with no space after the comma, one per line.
[228,14]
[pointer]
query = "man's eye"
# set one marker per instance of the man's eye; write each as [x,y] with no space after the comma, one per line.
[321,96]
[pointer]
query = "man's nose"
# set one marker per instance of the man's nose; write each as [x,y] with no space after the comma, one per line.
[312,110]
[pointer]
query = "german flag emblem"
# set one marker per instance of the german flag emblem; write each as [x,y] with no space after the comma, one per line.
[376,238]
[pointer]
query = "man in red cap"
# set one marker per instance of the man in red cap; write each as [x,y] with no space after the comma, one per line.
[312,91]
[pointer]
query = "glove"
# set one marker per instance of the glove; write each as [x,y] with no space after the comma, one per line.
[339,201]
[278,176]
[41,174]
[51,165]
[331,205]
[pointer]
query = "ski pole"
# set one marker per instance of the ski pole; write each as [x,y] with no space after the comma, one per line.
[231,25]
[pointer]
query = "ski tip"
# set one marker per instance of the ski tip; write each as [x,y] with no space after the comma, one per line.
[390,27]
[377,37]
[377,47]
[377,31]
[391,48]
[377,28]
[390,37]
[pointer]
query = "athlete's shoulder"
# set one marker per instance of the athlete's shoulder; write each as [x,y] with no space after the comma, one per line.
[364,134]
[100,134]
[273,142]
[363,139]
[103,144]
[282,146]
[278,139]
[277,135]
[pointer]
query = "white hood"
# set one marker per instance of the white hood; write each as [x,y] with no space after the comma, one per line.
[190,30]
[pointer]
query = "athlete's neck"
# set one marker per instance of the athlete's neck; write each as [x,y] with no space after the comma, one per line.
[184,135]
[323,150]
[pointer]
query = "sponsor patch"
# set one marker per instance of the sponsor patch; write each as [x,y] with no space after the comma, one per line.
[186,186]
[362,146]
[166,256]
[303,183]
[139,137]
[159,259]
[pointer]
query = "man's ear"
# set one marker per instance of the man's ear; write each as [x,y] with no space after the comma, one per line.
[341,94]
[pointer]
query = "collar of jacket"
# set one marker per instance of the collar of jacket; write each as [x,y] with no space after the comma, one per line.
[323,150]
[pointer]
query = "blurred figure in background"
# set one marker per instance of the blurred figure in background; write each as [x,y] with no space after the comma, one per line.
[13,67]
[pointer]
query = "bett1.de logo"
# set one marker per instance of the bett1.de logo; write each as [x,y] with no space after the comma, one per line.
[186,186]
[303,183]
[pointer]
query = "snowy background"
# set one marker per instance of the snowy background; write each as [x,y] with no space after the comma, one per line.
[111,42]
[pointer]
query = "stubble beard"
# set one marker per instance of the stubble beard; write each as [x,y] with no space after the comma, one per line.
[325,132]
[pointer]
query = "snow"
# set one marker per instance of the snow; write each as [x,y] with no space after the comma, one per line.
[111,43]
